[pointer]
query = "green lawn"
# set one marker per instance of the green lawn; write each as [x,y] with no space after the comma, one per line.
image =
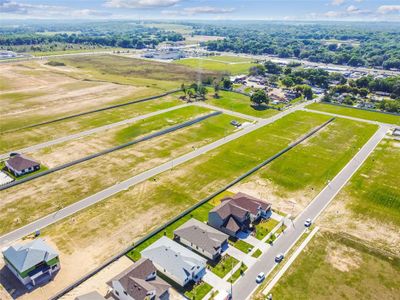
[230,59]
[214,65]
[241,245]
[257,253]
[240,103]
[199,291]
[239,272]
[332,267]
[265,227]
[357,113]
[309,166]
[374,191]
[224,266]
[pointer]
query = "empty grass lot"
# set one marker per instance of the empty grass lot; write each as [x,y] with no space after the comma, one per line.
[36,198]
[133,211]
[224,266]
[374,191]
[300,174]
[332,267]
[22,138]
[213,64]
[240,103]
[356,113]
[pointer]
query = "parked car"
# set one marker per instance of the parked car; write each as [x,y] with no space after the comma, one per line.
[235,123]
[308,222]
[260,277]
[279,257]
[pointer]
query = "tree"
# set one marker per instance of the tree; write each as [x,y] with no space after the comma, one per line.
[227,84]
[259,97]
[288,81]
[184,89]
[216,84]
[257,70]
[272,68]
[201,91]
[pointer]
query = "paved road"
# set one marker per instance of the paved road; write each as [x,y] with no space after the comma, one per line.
[90,131]
[246,285]
[82,204]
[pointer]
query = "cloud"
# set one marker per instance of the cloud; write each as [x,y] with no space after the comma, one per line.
[13,7]
[337,2]
[389,9]
[140,3]
[352,9]
[83,13]
[207,10]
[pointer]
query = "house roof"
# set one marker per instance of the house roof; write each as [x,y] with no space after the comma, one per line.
[247,202]
[91,296]
[24,257]
[19,163]
[174,258]
[226,209]
[231,225]
[134,282]
[201,235]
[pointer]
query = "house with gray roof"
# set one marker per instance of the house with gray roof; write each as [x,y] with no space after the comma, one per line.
[139,282]
[237,213]
[20,165]
[32,262]
[175,261]
[202,238]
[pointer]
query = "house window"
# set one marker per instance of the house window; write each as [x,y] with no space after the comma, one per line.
[116,292]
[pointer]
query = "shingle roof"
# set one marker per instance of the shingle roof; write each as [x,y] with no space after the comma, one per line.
[19,163]
[225,209]
[231,225]
[247,203]
[24,257]
[173,257]
[201,235]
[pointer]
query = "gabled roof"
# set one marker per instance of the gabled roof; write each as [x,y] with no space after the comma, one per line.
[201,235]
[247,202]
[19,163]
[134,282]
[24,257]
[231,225]
[174,258]
[226,209]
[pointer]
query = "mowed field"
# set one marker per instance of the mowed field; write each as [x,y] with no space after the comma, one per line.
[226,64]
[293,180]
[84,238]
[35,92]
[369,205]
[240,103]
[333,266]
[34,199]
[356,113]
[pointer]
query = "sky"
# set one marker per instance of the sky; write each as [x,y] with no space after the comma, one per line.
[346,10]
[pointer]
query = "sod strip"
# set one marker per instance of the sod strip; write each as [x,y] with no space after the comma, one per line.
[187,211]
[95,111]
[89,157]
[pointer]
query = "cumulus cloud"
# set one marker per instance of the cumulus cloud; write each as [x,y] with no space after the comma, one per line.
[389,9]
[140,3]
[13,7]
[337,2]
[207,10]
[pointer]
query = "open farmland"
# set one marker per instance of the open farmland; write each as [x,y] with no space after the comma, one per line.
[216,64]
[22,138]
[126,216]
[334,266]
[291,181]
[34,199]
[240,103]
[356,113]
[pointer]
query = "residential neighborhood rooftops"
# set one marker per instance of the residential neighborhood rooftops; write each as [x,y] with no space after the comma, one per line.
[24,257]
[225,209]
[247,203]
[20,163]
[174,258]
[201,235]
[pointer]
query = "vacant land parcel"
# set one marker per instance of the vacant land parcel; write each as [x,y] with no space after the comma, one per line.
[293,180]
[332,266]
[230,65]
[356,113]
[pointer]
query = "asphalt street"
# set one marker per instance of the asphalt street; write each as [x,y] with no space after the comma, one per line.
[246,285]
[124,185]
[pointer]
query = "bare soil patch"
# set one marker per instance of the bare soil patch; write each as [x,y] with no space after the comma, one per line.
[343,258]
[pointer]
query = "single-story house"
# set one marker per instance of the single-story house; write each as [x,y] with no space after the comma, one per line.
[235,214]
[20,165]
[202,238]
[175,261]
[90,296]
[139,282]
[32,261]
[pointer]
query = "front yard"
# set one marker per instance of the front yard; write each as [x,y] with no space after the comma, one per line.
[198,291]
[241,245]
[265,227]
[224,266]
[239,272]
